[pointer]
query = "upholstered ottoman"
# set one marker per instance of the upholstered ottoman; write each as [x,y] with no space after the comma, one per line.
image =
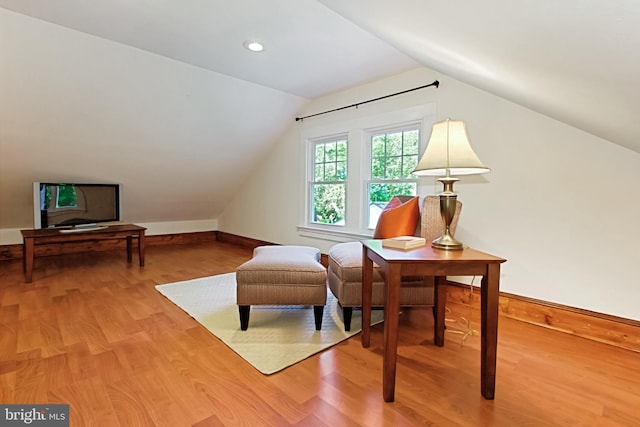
[282,275]
[345,282]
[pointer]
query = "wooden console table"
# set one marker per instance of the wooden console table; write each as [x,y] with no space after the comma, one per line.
[427,261]
[44,236]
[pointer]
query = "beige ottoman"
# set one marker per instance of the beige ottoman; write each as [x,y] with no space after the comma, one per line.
[345,282]
[282,275]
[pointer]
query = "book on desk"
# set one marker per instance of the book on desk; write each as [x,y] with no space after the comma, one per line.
[404,242]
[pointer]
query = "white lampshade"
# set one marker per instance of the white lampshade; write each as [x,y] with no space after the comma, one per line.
[449,151]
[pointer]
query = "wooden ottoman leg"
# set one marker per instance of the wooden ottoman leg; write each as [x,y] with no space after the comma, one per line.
[317,314]
[244,316]
[347,313]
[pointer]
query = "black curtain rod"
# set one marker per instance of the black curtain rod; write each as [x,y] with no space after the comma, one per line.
[435,83]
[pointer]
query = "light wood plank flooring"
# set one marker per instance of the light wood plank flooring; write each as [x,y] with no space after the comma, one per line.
[93,332]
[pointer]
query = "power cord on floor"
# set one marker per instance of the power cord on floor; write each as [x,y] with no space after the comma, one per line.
[466,330]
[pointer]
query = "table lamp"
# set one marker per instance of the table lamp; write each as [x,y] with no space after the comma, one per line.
[448,153]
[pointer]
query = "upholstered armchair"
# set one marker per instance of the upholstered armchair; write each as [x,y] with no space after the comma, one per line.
[345,267]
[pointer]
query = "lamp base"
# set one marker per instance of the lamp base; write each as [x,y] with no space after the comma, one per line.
[448,200]
[447,242]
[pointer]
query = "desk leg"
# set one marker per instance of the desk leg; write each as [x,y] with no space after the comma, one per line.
[141,248]
[28,252]
[367,292]
[440,290]
[129,256]
[489,290]
[391,322]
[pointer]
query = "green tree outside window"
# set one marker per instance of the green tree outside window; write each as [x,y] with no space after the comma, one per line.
[329,177]
[394,155]
[65,196]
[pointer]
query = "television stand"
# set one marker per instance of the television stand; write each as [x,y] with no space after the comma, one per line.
[45,236]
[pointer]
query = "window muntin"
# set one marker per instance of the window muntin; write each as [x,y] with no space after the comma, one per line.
[394,155]
[328,184]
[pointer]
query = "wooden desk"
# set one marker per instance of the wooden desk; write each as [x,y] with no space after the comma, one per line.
[45,236]
[427,261]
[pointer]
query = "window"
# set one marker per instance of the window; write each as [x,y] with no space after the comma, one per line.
[355,166]
[328,182]
[394,155]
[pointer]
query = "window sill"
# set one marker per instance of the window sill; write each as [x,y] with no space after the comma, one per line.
[331,235]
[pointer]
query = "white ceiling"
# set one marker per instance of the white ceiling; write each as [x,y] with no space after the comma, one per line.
[574,60]
[310,50]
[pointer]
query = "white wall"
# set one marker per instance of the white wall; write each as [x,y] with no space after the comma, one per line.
[559,204]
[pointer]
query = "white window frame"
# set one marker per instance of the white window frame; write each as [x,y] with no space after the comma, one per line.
[358,168]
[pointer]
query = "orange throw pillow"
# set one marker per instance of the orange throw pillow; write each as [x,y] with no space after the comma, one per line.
[398,219]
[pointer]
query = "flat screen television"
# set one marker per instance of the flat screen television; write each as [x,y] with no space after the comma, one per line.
[74,204]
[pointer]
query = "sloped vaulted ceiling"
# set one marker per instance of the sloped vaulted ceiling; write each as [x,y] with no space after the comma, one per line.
[310,50]
[576,60]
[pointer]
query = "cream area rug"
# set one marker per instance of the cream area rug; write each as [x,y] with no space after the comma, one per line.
[277,337]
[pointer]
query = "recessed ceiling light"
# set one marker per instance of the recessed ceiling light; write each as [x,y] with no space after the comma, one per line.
[253,46]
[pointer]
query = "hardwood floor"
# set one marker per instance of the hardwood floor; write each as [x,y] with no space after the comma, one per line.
[93,332]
